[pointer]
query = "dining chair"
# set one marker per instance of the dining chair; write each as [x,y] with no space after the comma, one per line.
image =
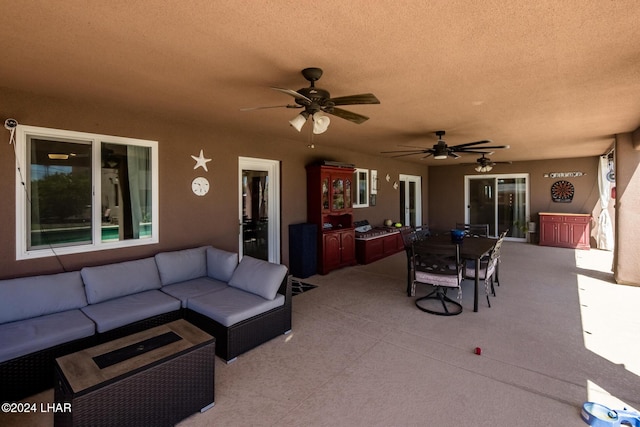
[409,236]
[474,230]
[440,266]
[500,240]
[488,268]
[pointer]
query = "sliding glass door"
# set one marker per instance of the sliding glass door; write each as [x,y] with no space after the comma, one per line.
[502,201]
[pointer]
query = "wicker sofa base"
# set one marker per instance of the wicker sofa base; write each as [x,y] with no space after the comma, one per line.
[32,373]
[231,341]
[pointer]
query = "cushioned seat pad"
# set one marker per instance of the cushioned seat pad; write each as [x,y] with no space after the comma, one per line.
[231,305]
[35,334]
[193,288]
[122,311]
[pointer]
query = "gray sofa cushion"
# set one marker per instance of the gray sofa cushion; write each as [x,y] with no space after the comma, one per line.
[258,277]
[193,288]
[111,281]
[221,264]
[38,333]
[122,311]
[230,306]
[179,266]
[34,296]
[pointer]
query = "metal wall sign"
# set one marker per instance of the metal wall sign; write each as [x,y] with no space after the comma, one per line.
[563,174]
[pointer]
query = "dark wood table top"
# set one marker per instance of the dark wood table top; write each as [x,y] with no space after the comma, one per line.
[471,247]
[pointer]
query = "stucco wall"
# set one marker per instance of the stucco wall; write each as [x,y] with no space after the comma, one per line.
[446,188]
[185,220]
[626,265]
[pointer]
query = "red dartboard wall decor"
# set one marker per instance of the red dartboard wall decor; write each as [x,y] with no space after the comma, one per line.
[562,192]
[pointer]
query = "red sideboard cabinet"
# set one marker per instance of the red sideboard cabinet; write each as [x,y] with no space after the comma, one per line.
[329,206]
[565,230]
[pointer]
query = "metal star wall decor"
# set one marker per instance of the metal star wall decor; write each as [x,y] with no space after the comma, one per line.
[201,161]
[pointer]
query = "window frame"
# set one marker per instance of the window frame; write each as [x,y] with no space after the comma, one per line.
[23,132]
[357,203]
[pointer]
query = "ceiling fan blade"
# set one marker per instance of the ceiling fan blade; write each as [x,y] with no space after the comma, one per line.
[495,147]
[292,93]
[404,151]
[274,106]
[348,115]
[411,154]
[469,144]
[474,151]
[363,98]
[454,155]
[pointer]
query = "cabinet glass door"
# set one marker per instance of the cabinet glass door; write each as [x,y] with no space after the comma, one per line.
[325,193]
[338,194]
[347,193]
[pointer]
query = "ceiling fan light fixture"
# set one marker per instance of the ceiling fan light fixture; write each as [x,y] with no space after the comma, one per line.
[440,153]
[320,123]
[484,168]
[298,121]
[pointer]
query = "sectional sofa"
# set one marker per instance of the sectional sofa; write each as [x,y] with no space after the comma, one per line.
[243,304]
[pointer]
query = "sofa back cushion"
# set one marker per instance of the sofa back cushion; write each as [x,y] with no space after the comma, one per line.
[258,277]
[179,266]
[221,264]
[34,296]
[111,281]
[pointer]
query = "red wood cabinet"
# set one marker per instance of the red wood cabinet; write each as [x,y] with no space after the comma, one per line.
[565,230]
[329,206]
[375,248]
[338,250]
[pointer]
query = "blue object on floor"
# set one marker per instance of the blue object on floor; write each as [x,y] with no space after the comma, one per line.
[597,415]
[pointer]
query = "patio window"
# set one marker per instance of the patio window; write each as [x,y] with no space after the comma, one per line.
[80,192]
[361,196]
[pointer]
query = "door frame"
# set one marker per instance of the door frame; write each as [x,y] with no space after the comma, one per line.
[272,167]
[417,179]
[495,177]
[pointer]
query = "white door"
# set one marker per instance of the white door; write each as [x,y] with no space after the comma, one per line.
[259,208]
[411,200]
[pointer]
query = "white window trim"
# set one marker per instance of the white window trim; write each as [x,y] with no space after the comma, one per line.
[356,202]
[22,251]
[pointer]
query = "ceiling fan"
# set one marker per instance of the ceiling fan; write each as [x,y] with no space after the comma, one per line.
[317,101]
[485,164]
[441,150]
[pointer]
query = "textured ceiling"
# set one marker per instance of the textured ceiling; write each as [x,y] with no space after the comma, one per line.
[552,79]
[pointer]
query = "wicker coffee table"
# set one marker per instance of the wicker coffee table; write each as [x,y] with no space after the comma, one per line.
[155,377]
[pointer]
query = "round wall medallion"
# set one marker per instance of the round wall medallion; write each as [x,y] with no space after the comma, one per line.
[200,186]
[562,191]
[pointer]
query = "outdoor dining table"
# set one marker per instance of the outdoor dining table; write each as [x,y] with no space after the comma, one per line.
[473,248]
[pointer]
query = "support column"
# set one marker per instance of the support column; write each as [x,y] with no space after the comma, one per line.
[626,267]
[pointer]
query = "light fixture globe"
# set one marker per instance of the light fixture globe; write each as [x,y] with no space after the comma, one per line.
[320,123]
[298,121]
[484,168]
